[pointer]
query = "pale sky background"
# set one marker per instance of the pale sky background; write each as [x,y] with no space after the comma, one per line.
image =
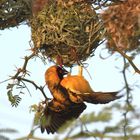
[14,45]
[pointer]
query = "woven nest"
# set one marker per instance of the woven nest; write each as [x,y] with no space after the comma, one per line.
[13,12]
[123,26]
[70,30]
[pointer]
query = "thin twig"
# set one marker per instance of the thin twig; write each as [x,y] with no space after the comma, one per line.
[26,87]
[87,131]
[23,69]
[5,80]
[22,72]
[127,99]
[35,85]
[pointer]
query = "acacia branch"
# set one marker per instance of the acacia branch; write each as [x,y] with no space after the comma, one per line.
[23,69]
[35,85]
[129,60]
[128,101]
[22,72]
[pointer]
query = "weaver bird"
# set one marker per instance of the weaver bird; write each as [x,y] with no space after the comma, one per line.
[69,94]
[75,87]
[60,109]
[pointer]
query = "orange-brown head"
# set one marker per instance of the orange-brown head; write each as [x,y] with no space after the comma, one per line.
[54,75]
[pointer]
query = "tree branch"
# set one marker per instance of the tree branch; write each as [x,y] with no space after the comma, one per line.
[129,60]
[128,101]
[23,69]
[35,85]
[22,72]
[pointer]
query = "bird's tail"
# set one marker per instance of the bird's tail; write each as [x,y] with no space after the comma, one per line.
[100,97]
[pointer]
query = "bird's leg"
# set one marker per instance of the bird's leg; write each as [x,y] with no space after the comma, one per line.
[80,70]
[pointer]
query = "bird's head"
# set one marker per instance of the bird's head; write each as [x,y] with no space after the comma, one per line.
[55,74]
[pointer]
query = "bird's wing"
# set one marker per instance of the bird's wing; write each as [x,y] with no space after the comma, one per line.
[54,120]
[100,97]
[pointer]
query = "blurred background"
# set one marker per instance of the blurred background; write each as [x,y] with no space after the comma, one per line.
[114,66]
[105,75]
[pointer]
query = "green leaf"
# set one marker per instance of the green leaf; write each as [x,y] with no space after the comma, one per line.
[37,118]
[10,86]
[71,124]
[100,117]
[33,108]
[111,129]
[14,99]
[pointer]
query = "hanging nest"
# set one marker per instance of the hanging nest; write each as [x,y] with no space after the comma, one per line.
[123,26]
[13,12]
[69,30]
